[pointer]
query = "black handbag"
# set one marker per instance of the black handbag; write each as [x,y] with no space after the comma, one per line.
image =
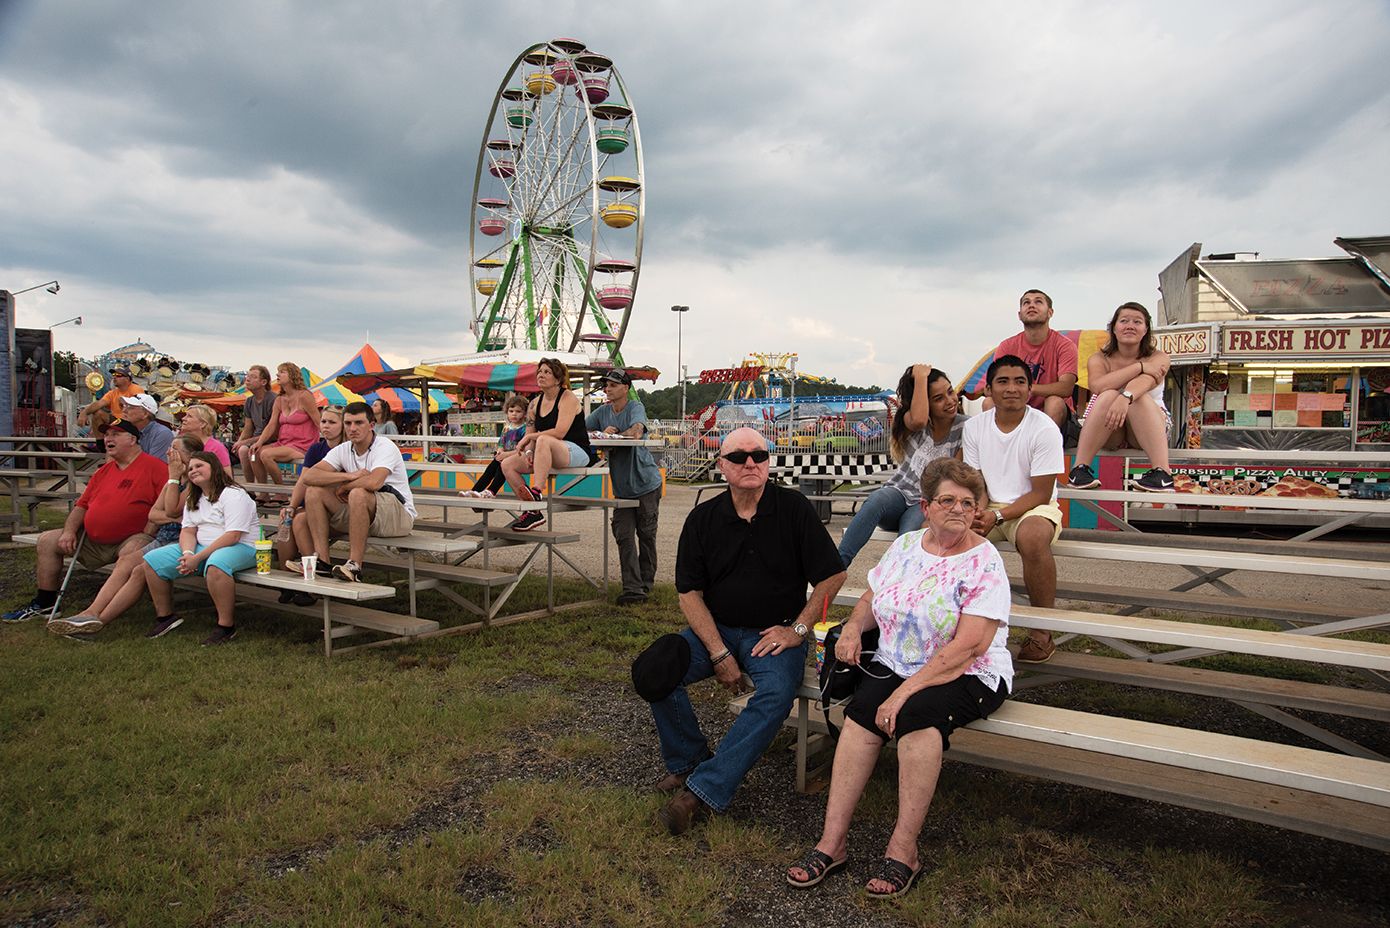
[839,680]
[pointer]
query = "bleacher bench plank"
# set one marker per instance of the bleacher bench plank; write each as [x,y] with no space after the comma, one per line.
[1312,791]
[1341,651]
[1303,565]
[1207,603]
[1311,813]
[1290,694]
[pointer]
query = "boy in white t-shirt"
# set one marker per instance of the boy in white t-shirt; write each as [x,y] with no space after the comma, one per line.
[359,489]
[1019,451]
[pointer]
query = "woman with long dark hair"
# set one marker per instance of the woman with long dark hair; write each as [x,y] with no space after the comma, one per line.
[1126,409]
[383,422]
[220,527]
[928,426]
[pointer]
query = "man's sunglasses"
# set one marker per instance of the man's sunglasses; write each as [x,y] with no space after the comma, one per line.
[759,456]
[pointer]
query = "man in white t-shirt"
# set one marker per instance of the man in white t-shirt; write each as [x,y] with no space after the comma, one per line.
[359,489]
[1019,451]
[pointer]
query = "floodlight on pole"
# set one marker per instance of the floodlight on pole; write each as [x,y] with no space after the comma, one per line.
[51,286]
[680,312]
[75,320]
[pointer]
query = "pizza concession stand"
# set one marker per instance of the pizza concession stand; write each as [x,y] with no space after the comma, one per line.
[1280,370]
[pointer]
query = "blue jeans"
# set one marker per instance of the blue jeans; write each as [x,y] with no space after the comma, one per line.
[885,508]
[684,747]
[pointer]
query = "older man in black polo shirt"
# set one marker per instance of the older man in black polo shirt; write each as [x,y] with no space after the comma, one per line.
[744,561]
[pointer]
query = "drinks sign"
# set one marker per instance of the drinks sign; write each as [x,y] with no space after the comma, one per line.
[1187,344]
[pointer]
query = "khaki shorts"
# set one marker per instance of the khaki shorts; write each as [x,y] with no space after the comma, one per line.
[95,554]
[391,519]
[1005,531]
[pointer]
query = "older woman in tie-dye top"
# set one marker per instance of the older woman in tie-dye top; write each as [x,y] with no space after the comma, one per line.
[940,599]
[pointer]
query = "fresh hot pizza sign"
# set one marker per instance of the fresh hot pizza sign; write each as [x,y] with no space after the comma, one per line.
[1313,341]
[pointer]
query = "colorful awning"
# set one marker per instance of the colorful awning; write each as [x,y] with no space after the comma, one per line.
[366,373]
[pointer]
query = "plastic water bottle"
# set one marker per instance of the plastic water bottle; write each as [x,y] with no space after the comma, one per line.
[285,532]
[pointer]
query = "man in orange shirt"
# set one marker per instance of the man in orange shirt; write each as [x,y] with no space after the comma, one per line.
[113,511]
[121,387]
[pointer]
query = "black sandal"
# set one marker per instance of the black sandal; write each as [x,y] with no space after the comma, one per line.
[818,865]
[895,873]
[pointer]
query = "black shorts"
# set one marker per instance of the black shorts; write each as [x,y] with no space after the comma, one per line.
[945,707]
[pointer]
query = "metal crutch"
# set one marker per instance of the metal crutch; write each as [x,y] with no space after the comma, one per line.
[53,613]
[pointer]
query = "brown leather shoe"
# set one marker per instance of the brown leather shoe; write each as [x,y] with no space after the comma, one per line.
[682,812]
[670,783]
[1033,651]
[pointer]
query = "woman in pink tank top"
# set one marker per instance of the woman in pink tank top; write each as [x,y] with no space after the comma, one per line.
[293,425]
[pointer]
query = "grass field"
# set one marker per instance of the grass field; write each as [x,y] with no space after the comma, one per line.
[499,778]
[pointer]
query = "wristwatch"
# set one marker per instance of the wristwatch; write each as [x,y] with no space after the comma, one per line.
[1127,395]
[801,629]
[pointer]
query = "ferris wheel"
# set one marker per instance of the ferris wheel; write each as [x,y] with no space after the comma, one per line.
[558,206]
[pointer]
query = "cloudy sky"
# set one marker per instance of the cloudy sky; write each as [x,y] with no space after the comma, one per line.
[869,185]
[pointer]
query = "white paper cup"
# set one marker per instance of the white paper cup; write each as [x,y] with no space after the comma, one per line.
[311,567]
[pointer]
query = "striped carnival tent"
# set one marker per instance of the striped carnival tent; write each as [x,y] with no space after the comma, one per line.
[1087,341]
[366,373]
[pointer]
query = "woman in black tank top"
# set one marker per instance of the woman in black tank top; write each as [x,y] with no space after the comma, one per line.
[555,436]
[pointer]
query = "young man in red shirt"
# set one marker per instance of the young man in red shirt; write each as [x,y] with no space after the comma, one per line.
[1050,355]
[113,511]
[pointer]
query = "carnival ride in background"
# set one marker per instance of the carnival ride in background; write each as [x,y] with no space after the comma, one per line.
[558,207]
[761,396]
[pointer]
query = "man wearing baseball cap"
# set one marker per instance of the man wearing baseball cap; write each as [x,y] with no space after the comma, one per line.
[121,387]
[113,512]
[635,476]
[155,437]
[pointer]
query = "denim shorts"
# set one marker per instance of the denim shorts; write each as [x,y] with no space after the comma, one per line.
[578,456]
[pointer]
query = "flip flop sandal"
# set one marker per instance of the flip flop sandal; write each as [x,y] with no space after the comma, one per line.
[819,865]
[895,873]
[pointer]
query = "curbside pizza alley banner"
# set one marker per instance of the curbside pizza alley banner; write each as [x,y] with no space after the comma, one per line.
[1296,482]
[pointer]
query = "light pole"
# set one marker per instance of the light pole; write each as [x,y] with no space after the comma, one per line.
[52,286]
[680,312]
[75,320]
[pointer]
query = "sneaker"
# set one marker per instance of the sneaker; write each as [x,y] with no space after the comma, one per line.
[470,494]
[351,571]
[527,521]
[25,613]
[485,494]
[77,625]
[285,598]
[1082,478]
[1155,480]
[304,599]
[1033,651]
[220,635]
[163,626]
[631,599]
